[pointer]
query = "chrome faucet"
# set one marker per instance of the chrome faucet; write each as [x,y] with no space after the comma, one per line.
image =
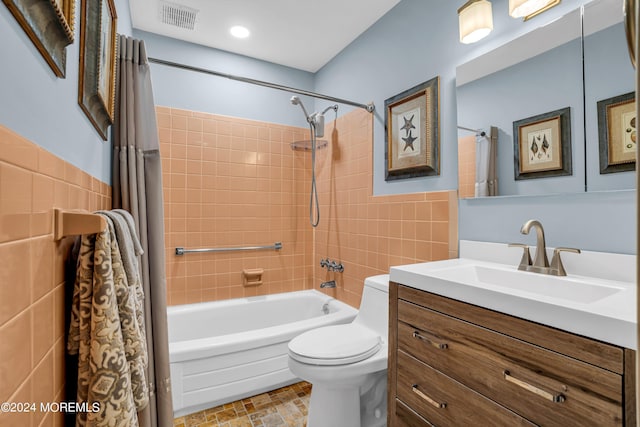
[541,262]
[329,284]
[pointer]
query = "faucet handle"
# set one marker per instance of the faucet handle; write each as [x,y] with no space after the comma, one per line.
[556,268]
[525,262]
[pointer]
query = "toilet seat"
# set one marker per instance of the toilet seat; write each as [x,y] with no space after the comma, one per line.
[335,345]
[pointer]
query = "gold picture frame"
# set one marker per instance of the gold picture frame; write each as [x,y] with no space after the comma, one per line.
[617,133]
[542,145]
[97,77]
[50,25]
[412,122]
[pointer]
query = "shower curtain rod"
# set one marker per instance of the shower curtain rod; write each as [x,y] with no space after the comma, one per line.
[369,107]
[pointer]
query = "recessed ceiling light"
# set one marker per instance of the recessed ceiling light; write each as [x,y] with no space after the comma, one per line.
[239,31]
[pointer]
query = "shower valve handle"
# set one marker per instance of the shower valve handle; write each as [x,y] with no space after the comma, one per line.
[334,266]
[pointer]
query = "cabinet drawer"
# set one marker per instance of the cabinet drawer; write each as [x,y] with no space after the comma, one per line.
[445,402]
[542,386]
[406,417]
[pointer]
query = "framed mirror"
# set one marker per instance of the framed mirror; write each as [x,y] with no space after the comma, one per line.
[609,88]
[579,61]
[516,90]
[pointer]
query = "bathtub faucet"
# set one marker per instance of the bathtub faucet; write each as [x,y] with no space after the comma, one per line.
[329,284]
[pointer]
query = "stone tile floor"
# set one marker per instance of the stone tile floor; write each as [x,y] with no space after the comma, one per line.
[287,407]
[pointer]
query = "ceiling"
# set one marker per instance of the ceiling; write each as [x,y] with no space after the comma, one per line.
[302,34]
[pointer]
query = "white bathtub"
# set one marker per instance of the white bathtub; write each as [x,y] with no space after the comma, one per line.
[223,351]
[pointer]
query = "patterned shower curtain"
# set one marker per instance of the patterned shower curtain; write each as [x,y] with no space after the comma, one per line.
[137,188]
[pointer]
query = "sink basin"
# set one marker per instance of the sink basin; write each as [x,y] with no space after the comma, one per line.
[597,299]
[581,290]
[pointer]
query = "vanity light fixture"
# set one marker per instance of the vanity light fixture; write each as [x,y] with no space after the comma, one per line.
[240,32]
[527,9]
[475,19]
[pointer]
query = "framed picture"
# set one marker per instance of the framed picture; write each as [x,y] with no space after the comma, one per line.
[50,26]
[412,123]
[617,133]
[97,79]
[542,145]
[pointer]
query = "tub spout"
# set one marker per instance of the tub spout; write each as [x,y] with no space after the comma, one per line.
[329,284]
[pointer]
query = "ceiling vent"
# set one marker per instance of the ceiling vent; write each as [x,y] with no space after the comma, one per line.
[178,15]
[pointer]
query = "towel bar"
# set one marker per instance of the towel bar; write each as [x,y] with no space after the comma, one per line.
[72,223]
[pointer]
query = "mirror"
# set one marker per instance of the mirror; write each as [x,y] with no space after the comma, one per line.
[531,90]
[609,85]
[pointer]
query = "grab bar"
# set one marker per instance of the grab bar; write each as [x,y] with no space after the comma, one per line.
[181,251]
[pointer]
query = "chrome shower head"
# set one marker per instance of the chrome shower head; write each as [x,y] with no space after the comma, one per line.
[295,100]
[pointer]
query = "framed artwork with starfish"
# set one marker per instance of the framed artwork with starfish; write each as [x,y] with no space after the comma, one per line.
[412,123]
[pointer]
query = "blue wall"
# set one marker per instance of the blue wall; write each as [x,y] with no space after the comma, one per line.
[414,42]
[417,40]
[190,90]
[43,108]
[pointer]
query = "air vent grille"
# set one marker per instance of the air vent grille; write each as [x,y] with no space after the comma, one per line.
[178,15]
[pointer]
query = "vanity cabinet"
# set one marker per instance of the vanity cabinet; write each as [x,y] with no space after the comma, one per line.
[457,364]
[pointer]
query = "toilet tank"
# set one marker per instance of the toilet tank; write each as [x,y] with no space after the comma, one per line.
[374,306]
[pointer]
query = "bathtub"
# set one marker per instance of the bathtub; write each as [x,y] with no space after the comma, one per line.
[223,351]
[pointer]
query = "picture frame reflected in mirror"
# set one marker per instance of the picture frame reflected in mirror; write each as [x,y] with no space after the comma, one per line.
[617,133]
[542,145]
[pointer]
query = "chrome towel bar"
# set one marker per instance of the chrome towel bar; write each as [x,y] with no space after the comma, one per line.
[181,251]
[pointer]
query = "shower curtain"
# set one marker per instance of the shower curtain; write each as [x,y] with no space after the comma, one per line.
[137,188]
[486,152]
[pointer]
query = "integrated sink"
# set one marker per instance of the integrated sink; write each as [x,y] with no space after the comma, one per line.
[575,289]
[596,298]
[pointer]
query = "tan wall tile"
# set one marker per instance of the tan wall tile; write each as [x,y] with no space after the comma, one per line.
[15,353]
[17,151]
[15,275]
[32,271]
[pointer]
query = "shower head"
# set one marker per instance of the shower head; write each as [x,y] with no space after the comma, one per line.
[297,101]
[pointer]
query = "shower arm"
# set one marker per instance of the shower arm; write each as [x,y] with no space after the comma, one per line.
[331,107]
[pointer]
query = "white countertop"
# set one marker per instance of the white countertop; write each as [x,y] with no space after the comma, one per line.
[611,319]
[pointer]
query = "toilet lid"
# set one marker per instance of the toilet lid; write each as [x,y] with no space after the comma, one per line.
[335,345]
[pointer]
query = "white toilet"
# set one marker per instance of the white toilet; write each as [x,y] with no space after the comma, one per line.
[347,364]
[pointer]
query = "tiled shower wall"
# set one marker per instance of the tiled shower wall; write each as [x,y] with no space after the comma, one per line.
[467,166]
[235,182]
[33,182]
[369,234]
[231,182]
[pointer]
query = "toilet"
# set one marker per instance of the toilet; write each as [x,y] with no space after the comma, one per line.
[347,364]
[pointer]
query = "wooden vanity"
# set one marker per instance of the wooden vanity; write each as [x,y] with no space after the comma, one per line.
[452,363]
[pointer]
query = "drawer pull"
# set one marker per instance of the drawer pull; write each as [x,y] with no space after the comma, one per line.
[557,398]
[429,400]
[417,335]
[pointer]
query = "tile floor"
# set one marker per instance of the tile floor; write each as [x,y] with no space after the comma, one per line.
[285,407]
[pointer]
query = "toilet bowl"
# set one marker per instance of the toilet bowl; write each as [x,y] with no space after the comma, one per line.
[347,364]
